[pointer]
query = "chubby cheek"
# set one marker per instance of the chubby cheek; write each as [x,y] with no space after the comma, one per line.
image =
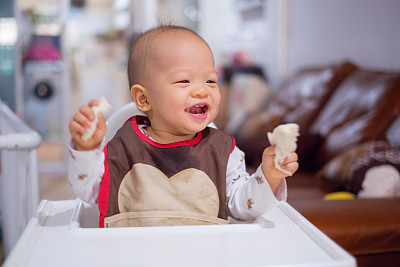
[216,102]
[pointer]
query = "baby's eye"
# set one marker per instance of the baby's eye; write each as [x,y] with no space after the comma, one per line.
[184,81]
[211,81]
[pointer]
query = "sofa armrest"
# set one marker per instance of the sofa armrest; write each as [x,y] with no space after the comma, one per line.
[361,226]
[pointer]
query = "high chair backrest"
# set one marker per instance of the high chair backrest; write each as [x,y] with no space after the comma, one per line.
[121,115]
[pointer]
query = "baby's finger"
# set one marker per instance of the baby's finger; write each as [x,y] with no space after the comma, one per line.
[293,157]
[87,112]
[101,124]
[75,127]
[101,128]
[292,167]
[82,120]
[269,151]
[93,103]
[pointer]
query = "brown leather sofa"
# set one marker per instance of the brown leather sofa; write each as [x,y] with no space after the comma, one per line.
[342,110]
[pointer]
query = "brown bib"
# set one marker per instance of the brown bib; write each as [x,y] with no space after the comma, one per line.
[151,184]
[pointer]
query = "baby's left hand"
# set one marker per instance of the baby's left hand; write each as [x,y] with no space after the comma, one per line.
[273,175]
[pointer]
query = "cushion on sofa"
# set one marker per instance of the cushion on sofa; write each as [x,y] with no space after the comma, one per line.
[393,133]
[348,170]
[360,109]
[300,99]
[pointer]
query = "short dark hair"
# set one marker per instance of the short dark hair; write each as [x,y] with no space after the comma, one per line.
[140,49]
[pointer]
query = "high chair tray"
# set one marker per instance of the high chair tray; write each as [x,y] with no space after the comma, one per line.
[62,233]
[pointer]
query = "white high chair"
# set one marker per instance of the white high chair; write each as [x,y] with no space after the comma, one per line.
[285,238]
[117,119]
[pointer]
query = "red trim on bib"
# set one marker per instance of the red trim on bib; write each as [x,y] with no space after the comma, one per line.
[102,200]
[135,127]
[233,143]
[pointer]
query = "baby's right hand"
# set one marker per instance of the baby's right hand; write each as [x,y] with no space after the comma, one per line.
[82,121]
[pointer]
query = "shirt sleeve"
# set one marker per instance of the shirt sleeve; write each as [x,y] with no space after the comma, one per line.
[85,172]
[249,196]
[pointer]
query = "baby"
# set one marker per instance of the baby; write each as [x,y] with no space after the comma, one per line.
[168,167]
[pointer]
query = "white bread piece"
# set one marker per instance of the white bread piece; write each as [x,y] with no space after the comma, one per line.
[284,137]
[103,107]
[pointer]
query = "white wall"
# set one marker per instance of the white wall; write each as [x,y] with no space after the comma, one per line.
[298,33]
[366,32]
[277,63]
[226,32]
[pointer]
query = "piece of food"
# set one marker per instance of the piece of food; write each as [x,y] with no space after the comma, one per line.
[103,107]
[284,137]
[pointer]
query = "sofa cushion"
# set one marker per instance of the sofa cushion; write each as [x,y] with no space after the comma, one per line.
[300,99]
[348,170]
[359,111]
[393,133]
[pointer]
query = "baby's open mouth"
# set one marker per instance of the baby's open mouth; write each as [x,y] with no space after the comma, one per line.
[199,109]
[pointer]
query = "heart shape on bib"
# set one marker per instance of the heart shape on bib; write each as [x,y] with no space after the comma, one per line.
[146,188]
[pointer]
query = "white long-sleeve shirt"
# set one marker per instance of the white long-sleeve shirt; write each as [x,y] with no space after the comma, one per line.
[249,195]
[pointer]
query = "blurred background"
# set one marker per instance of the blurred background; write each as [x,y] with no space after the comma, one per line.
[58,54]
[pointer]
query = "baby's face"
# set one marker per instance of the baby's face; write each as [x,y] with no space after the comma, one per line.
[182,85]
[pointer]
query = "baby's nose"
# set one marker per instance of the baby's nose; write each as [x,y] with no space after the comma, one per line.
[200,92]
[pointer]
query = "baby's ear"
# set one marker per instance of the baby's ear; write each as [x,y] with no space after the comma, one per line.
[139,95]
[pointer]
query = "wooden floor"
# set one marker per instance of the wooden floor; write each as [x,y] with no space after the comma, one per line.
[55,188]
[53,185]
[1,254]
